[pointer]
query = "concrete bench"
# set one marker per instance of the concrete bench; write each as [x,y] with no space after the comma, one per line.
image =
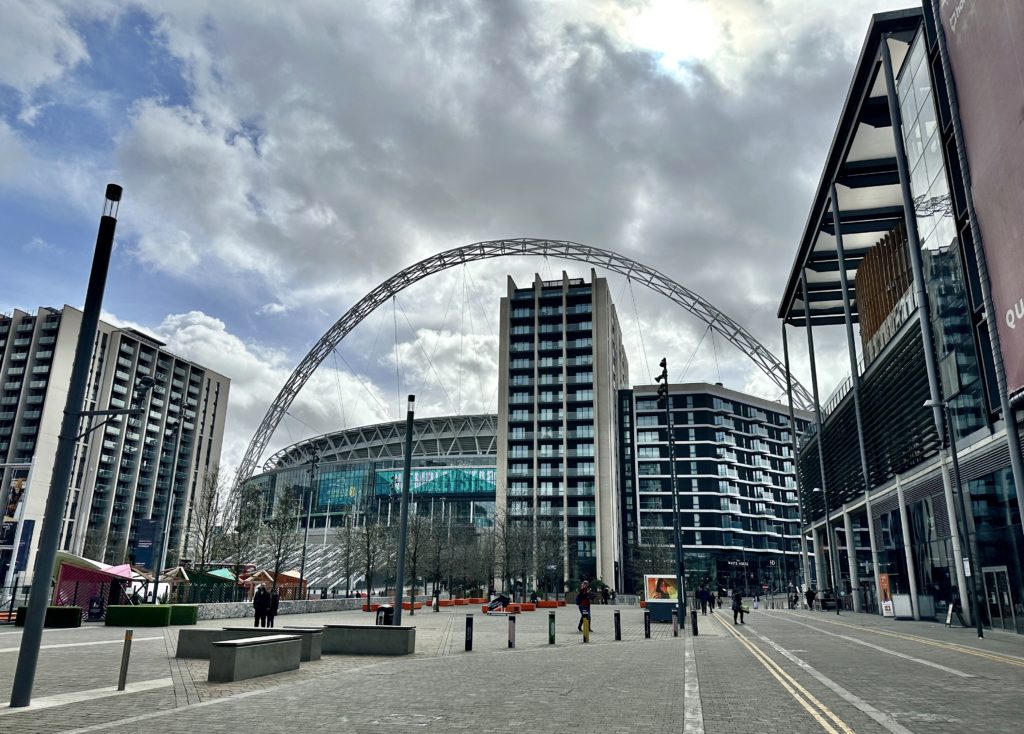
[312,637]
[232,660]
[368,639]
[197,641]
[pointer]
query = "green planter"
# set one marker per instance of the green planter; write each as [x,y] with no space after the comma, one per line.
[184,613]
[142,615]
[55,617]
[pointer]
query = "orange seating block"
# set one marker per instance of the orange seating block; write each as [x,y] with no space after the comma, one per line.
[460,602]
[527,606]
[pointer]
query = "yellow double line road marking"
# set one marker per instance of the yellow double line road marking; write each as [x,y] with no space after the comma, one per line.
[802,696]
[998,657]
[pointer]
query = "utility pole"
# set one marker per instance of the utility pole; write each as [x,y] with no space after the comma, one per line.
[665,401]
[305,533]
[403,524]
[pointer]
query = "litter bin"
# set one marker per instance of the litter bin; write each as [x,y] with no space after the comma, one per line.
[386,615]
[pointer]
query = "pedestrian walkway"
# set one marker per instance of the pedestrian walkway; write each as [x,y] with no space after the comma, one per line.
[783,671]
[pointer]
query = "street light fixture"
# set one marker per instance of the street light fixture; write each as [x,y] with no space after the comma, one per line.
[965,543]
[665,401]
[313,464]
[833,551]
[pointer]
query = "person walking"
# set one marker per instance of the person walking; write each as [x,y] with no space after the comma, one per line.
[702,596]
[737,607]
[810,594]
[275,601]
[260,605]
[583,602]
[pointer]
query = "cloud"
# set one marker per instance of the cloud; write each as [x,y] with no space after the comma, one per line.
[38,44]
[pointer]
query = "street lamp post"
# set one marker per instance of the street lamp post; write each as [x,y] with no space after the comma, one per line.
[664,397]
[965,542]
[833,556]
[403,522]
[305,533]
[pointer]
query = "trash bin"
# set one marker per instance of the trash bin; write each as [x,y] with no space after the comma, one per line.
[386,614]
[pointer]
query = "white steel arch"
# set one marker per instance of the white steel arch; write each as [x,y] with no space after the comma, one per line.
[652,279]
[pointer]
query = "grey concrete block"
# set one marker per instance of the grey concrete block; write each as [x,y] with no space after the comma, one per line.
[312,637]
[233,660]
[363,639]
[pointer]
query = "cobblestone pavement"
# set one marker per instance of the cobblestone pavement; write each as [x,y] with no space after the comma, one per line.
[782,671]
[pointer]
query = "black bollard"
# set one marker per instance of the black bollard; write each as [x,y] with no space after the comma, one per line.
[469,632]
[512,631]
[618,626]
[551,628]
[675,623]
[693,621]
[647,624]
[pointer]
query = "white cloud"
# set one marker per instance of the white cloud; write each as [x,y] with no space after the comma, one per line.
[38,44]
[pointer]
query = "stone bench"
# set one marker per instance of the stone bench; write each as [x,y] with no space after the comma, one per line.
[197,641]
[368,639]
[232,660]
[312,637]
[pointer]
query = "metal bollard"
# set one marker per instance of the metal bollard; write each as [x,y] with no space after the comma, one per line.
[512,631]
[693,621]
[647,624]
[586,628]
[126,653]
[675,623]
[618,625]
[469,633]
[551,628]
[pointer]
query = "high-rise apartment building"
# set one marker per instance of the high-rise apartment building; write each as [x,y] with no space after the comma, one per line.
[561,363]
[125,467]
[739,512]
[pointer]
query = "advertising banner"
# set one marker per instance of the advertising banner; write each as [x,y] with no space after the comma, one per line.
[660,588]
[885,594]
[145,538]
[986,53]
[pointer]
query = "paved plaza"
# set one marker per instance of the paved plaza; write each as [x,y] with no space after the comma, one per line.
[784,671]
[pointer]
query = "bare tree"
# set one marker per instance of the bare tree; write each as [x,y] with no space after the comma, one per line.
[347,540]
[282,532]
[651,557]
[514,539]
[374,541]
[550,556]
[244,518]
[417,542]
[207,513]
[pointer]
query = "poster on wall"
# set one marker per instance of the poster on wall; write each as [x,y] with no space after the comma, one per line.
[885,594]
[986,53]
[660,588]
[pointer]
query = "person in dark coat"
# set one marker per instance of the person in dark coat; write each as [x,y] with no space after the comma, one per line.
[583,602]
[260,606]
[737,607]
[275,601]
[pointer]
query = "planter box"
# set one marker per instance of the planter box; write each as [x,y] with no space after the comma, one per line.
[460,602]
[184,613]
[366,639]
[141,615]
[371,607]
[527,606]
[406,606]
[64,617]
[547,605]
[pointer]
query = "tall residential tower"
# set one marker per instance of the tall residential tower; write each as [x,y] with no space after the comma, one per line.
[561,363]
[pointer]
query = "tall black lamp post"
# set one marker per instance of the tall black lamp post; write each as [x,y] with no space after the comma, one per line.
[965,543]
[53,515]
[664,401]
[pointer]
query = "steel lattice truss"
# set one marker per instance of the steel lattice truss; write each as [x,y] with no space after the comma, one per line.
[692,302]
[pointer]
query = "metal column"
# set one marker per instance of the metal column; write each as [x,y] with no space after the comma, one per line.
[851,559]
[833,558]
[907,553]
[804,565]
[914,247]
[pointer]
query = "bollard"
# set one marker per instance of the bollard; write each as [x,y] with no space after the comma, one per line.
[551,628]
[675,623]
[693,621]
[126,653]
[618,625]
[647,624]
[469,633]
[512,631]
[586,627]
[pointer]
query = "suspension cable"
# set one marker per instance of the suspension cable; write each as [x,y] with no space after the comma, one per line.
[686,369]
[640,333]
[341,394]
[369,392]
[398,364]
[714,348]
[423,351]
[490,327]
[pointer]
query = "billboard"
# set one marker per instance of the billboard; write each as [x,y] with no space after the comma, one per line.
[660,588]
[986,53]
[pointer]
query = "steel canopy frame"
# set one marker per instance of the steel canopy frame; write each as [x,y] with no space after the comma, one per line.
[612,261]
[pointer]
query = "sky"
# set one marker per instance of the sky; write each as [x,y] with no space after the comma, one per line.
[281,160]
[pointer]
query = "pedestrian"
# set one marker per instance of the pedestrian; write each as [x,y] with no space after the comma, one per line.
[702,596]
[604,595]
[810,594]
[275,602]
[737,607]
[583,602]
[260,605]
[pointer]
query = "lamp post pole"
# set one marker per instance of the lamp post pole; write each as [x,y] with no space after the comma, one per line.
[49,537]
[663,395]
[965,543]
[403,522]
[305,533]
